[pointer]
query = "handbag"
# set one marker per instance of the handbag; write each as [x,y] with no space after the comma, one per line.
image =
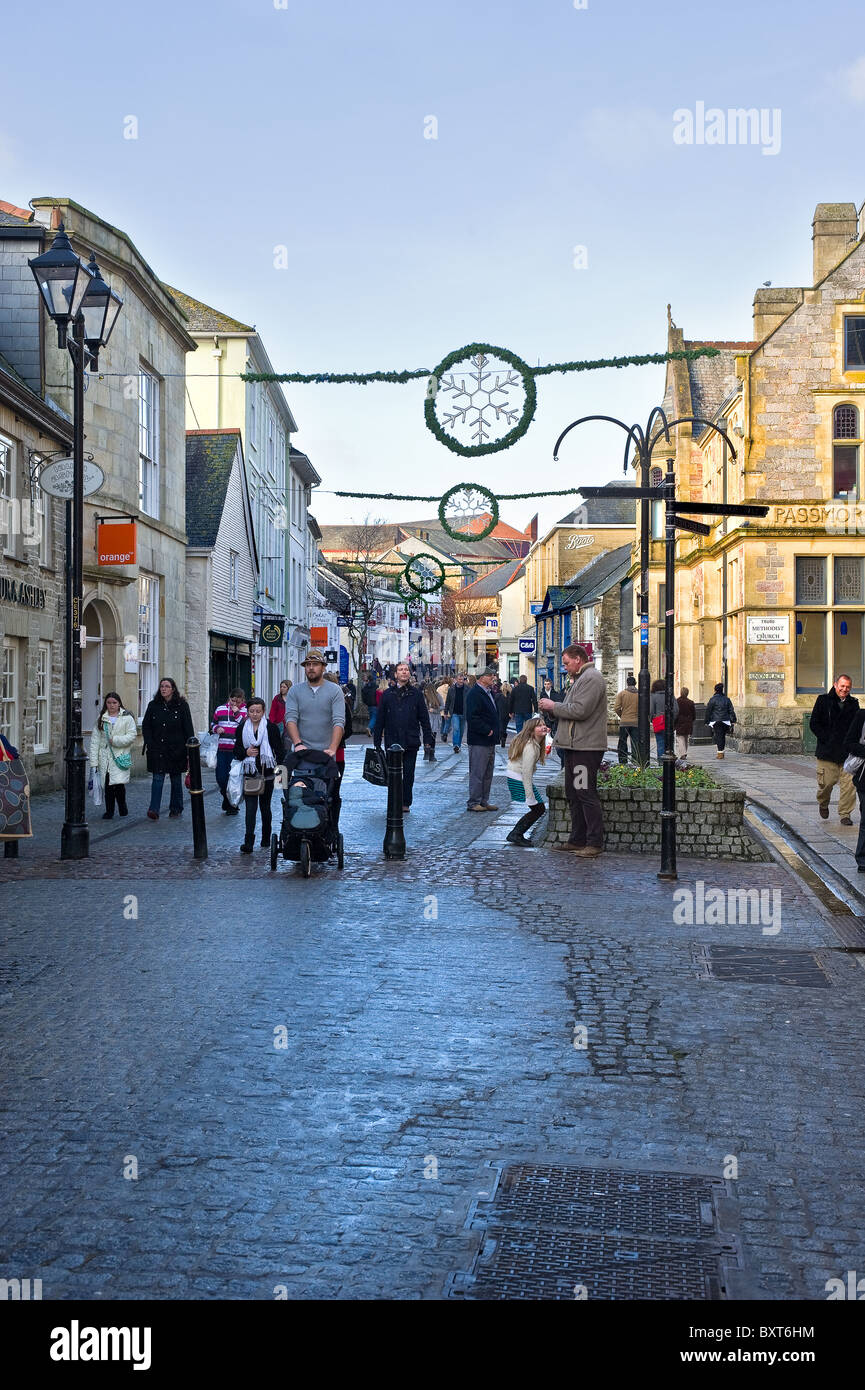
[375,767]
[123,759]
[253,784]
[658,723]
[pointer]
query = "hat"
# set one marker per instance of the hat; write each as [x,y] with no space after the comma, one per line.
[314,655]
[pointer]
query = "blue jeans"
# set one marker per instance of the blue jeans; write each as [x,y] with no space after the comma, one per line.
[224,758]
[457,728]
[519,720]
[446,726]
[176,799]
[372,714]
[659,744]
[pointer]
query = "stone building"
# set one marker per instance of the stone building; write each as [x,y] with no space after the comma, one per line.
[599,525]
[134,614]
[32,533]
[589,610]
[280,477]
[775,608]
[221,571]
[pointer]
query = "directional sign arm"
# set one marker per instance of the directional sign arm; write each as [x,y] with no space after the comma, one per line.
[721,508]
[697,527]
[630,494]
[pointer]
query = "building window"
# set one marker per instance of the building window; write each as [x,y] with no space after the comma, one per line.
[7,495]
[854,343]
[232,575]
[9,698]
[253,424]
[810,653]
[42,733]
[845,456]
[148,639]
[811,579]
[148,443]
[588,620]
[847,647]
[849,586]
[271,448]
[42,515]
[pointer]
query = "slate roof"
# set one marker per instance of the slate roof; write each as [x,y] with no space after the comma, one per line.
[713,379]
[202,318]
[592,581]
[12,216]
[492,583]
[604,511]
[209,458]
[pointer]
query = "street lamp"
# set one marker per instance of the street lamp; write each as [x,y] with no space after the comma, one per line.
[75,296]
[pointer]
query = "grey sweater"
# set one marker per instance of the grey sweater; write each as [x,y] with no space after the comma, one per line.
[315,711]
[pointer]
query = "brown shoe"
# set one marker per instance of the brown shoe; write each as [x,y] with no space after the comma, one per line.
[589,852]
[845,820]
[474,808]
[485,806]
[824,812]
[567,848]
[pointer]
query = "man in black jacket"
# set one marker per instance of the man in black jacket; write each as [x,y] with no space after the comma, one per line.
[831,718]
[402,718]
[524,702]
[482,728]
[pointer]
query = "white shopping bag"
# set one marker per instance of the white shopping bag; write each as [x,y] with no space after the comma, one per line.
[234,790]
[96,789]
[209,744]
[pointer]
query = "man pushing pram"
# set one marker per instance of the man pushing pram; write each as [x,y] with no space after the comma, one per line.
[315,722]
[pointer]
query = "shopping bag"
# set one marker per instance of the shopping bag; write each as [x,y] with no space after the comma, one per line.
[234,791]
[14,798]
[853,765]
[96,789]
[375,767]
[209,745]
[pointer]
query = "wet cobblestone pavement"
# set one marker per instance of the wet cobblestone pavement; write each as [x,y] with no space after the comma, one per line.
[310,1077]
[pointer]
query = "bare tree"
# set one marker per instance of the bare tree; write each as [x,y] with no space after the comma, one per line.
[361,571]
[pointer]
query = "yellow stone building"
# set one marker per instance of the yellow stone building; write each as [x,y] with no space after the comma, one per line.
[774,608]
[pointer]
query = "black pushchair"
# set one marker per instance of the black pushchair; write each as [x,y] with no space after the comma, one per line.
[310,812]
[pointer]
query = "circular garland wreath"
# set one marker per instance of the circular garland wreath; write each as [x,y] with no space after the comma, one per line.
[424,583]
[492,508]
[493,446]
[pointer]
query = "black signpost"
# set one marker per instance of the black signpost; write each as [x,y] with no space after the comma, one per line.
[678,516]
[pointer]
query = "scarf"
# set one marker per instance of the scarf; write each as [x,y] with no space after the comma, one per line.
[259,741]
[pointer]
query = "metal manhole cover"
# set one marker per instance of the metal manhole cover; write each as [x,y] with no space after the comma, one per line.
[761,965]
[558,1265]
[609,1233]
[675,1205]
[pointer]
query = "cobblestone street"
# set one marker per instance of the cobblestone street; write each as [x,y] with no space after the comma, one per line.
[222,1082]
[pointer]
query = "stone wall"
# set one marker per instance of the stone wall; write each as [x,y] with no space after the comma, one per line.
[709,825]
[768,731]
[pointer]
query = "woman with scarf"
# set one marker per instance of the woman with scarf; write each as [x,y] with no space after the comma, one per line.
[259,746]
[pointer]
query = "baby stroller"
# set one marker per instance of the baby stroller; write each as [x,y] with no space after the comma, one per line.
[309,833]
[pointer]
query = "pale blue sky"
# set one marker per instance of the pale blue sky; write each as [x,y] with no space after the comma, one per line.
[303,126]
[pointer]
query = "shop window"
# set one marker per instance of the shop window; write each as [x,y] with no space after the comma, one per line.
[810,653]
[42,732]
[845,456]
[10,699]
[148,639]
[148,443]
[854,343]
[811,579]
[847,648]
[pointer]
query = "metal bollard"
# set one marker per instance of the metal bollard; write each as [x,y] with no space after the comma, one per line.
[199,829]
[394,838]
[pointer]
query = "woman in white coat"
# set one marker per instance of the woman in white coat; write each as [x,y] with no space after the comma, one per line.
[110,755]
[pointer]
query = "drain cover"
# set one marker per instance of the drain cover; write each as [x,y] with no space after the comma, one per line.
[562,1232]
[761,965]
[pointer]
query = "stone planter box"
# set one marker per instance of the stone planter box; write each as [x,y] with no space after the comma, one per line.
[709,824]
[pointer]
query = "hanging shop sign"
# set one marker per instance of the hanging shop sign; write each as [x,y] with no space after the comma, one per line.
[272,632]
[116,542]
[330,655]
[774,631]
[491,623]
[528,644]
[58,478]
[318,637]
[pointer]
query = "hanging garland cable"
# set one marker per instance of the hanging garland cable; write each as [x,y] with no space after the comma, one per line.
[418,373]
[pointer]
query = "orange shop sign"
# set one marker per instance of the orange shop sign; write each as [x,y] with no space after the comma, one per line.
[318,636]
[115,543]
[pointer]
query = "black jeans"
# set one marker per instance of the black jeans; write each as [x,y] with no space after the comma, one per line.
[860,843]
[581,789]
[115,795]
[719,734]
[409,760]
[252,807]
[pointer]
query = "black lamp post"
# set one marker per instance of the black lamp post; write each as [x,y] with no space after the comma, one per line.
[75,296]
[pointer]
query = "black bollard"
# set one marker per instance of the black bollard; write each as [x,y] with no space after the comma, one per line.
[199,829]
[10,849]
[394,838]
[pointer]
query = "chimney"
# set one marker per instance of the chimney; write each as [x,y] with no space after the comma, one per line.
[835,228]
[771,306]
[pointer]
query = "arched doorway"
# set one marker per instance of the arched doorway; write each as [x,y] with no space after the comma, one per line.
[98,660]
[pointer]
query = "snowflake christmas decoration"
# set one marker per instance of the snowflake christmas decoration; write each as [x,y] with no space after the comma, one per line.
[469,512]
[487,391]
[424,574]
